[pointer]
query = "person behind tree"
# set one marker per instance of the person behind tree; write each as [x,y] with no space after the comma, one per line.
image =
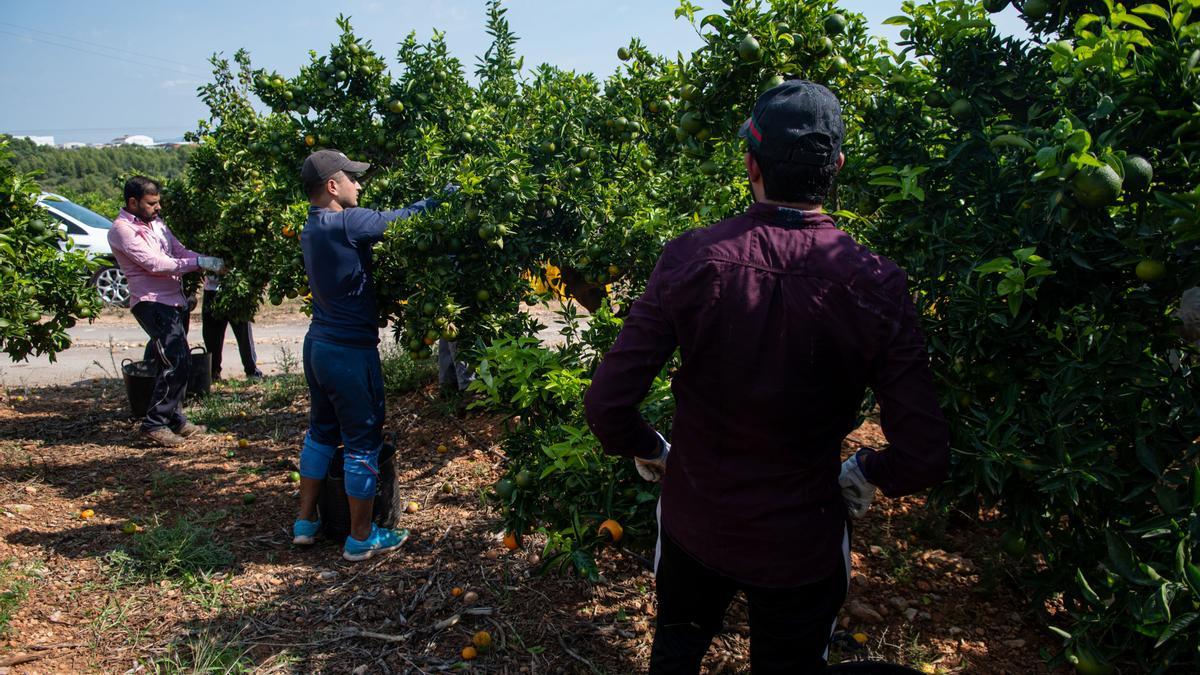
[212,328]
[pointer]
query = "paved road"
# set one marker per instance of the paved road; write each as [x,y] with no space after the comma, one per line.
[97,349]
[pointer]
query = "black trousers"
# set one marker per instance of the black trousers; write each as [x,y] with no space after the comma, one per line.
[165,325]
[789,627]
[213,330]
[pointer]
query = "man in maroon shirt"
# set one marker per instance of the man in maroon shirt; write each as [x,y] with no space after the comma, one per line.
[782,321]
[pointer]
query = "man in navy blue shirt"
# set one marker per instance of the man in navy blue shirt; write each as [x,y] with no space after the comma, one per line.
[341,350]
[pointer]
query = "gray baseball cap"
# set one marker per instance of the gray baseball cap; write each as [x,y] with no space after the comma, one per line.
[322,164]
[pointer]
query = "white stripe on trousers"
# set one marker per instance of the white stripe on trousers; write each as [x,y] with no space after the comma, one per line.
[845,558]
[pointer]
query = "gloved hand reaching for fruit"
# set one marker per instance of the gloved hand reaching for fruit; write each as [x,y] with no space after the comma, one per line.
[211,264]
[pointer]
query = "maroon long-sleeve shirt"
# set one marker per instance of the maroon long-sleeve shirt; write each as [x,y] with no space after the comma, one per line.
[782,321]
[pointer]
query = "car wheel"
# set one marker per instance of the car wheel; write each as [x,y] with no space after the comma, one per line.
[112,286]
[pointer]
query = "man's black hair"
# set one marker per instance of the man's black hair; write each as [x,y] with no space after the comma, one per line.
[795,183]
[316,189]
[140,186]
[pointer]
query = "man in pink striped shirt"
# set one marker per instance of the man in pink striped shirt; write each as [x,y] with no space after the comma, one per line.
[154,262]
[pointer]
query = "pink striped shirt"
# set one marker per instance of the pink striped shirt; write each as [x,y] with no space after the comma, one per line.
[152,259]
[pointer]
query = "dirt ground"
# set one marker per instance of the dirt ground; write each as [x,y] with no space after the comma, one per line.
[937,599]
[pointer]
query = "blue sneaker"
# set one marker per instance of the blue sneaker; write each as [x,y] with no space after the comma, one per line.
[381,540]
[305,531]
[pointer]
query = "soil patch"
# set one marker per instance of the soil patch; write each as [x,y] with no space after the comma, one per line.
[934,598]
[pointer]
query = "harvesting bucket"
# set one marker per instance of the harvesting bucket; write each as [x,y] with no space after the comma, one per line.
[200,372]
[139,379]
[332,507]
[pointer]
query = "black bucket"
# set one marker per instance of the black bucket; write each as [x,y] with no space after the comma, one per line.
[332,507]
[139,384]
[199,372]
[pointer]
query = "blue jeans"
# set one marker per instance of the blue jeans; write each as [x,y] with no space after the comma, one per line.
[346,407]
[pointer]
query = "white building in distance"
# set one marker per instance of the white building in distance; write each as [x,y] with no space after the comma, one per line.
[39,140]
[136,139]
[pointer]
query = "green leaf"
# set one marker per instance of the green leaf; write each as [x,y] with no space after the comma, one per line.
[1024,254]
[997,265]
[1148,457]
[1176,626]
[1196,486]
[1192,572]
[1086,589]
[1164,601]
[899,20]
[1121,556]
[1119,19]
[1014,303]
[1153,10]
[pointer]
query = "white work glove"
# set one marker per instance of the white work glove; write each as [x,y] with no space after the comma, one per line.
[211,264]
[856,490]
[654,468]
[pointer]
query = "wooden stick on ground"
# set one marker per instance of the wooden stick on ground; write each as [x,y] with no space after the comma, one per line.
[19,659]
[358,632]
[577,657]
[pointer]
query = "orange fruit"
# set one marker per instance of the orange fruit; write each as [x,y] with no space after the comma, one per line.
[243,443]
[469,653]
[610,529]
[482,640]
[511,542]
[442,449]
[86,513]
[456,591]
[412,507]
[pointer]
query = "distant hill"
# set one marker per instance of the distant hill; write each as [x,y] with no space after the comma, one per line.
[92,176]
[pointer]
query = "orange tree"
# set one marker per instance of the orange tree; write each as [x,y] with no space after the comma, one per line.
[1042,196]
[43,290]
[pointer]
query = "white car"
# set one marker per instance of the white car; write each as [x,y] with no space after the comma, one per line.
[89,231]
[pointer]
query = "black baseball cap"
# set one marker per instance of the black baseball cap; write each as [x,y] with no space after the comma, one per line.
[322,164]
[799,122]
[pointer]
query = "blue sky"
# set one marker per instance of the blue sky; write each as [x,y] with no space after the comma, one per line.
[93,70]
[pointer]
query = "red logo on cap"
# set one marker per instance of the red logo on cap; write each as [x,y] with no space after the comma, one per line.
[754,131]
